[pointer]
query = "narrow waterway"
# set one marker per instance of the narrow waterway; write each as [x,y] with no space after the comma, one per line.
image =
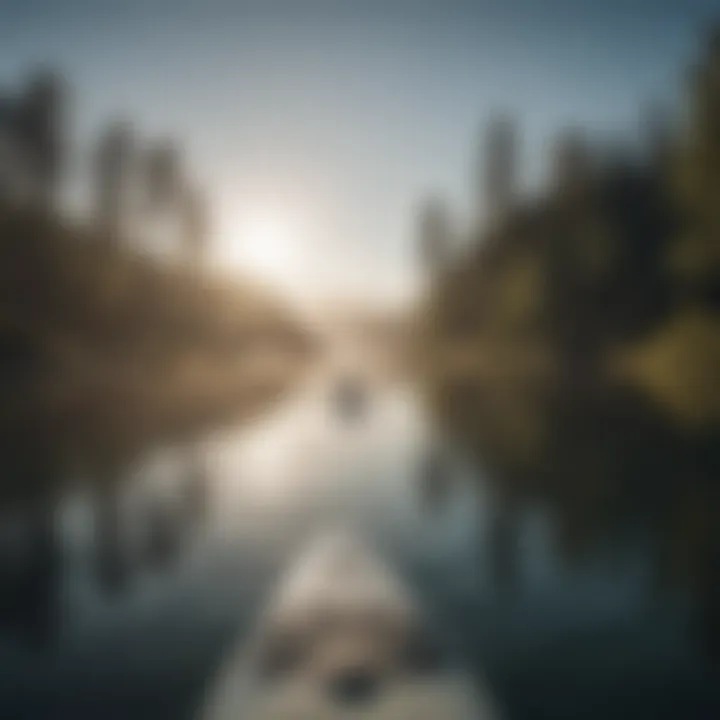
[138,593]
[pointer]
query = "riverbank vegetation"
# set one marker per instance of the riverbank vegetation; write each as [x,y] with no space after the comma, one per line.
[107,343]
[102,348]
[611,274]
[572,348]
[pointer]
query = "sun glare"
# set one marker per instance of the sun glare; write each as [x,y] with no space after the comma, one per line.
[270,243]
[267,243]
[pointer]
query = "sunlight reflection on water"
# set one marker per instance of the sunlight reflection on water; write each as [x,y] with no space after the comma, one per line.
[192,541]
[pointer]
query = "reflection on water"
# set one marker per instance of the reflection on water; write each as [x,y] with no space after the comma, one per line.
[569,550]
[112,565]
[503,542]
[30,568]
[625,511]
[434,477]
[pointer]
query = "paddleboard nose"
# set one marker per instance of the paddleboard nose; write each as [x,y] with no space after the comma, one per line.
[343,637]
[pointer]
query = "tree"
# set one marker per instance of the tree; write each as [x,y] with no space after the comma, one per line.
[695,258]
[195,222]
[163,176]
[571,165]
[12,168]
[114,163]
[498,178]
[33,137]
[435,233]
[657,127]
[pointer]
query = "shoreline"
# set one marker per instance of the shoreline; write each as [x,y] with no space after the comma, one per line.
[102,423]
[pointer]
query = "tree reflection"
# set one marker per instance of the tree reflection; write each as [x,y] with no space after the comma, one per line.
[606,466]
[434,479]
[164,531]
[503,542]
[112,562]
[194,489]
[30,573]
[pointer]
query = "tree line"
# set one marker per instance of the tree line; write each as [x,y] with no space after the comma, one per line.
[97,336]
[130,180]
[612,270]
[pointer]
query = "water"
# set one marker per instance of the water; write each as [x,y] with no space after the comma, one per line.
[122,603]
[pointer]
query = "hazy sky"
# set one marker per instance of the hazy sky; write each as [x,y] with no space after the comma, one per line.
[339,116]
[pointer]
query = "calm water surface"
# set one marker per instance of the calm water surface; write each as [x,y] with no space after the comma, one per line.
[121,604]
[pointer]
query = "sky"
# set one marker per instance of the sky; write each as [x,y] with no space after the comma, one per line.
[317,127]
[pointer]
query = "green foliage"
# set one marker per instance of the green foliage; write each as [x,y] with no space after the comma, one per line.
[680,366]
[618,268]
[611,284]
[695,258]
